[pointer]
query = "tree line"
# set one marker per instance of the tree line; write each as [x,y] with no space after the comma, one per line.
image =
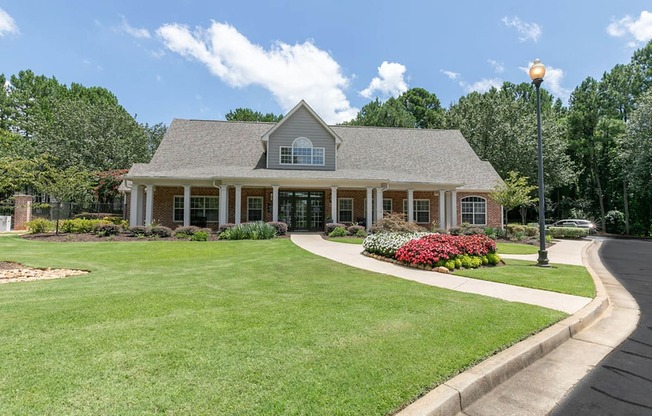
[62,140]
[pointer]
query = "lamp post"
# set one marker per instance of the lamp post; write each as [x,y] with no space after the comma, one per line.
[537,72]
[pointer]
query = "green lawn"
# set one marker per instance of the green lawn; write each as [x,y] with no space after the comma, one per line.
[232,328]
[516,248]
[562,278]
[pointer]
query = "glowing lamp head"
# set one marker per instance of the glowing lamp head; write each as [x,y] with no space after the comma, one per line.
[537,71]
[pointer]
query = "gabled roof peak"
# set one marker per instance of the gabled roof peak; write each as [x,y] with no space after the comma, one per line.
[302,104]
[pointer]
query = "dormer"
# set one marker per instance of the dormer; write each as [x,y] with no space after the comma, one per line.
[301,141]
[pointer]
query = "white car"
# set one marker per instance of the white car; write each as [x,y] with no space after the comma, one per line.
[575,223]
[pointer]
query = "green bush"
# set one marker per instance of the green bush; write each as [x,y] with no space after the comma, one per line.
[140,231]
[353,229]
[450,264]
[361,233]
[249,231]
[332,226]
[199,236]
[568,232]
[161,231]
[40,225]
[107,229]
[338,232]
[79,225]
[281,227]
[493,258]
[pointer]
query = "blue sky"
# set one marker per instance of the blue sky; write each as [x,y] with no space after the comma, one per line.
[200,59]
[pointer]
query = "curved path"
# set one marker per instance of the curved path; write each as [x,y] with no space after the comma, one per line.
[569,252]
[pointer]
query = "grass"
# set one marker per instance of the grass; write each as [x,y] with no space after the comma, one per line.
[561,278]
[232,328]
[516,248]
[348,240]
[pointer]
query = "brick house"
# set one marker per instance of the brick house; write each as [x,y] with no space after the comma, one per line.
[305,173]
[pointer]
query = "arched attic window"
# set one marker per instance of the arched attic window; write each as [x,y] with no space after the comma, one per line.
[302,152]
[474,210]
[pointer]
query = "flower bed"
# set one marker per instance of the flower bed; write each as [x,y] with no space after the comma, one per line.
[434,250]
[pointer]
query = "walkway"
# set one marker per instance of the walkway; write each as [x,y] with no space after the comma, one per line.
[564,252]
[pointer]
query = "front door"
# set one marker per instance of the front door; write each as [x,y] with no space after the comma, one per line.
[302,210]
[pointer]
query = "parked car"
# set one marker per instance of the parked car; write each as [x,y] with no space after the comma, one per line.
[576,223]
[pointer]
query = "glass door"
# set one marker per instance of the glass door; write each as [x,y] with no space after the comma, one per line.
[302,211]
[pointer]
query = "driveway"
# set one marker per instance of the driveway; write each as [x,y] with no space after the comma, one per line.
[621,384]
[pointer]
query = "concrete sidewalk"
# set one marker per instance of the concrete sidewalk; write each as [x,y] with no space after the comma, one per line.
[563,252]
[350,254]
[530,377]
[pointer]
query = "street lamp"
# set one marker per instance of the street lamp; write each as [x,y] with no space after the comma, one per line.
[537,72]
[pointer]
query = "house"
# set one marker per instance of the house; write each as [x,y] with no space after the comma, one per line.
[306,173]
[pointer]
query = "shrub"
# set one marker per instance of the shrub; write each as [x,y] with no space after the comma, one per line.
[185,232]
[249,231]
[97,216]
[39,225]
[493,258]
[224,227]
[107,229]
[281,227]
[395,223]
[568,232]
[199,236]
[161,231]
[531,231]
[78,225]
[361,233]
[333,225]
[140,231]
[515,228]
[338,232]
[386,244]
[353,229]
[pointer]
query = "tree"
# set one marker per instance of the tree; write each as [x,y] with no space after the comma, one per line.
[514,192]
[247,114]
[415,108]
[73,185]
[153,134]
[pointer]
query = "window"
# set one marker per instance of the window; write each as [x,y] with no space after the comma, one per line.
[387,206]
[200,207]
[255,208]
[345,212]
[302,153]
[474,210]
[420,211]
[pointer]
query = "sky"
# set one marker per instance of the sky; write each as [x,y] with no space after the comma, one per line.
[201,59]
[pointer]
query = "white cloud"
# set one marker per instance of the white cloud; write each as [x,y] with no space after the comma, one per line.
[527,31]
[390,81]
[139,33]
[290,72]
[7,24]
[499,67]
[552,81]
[450,74]
[640,29]
[483,85]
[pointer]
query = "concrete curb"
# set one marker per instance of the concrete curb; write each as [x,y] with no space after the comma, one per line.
[458,393]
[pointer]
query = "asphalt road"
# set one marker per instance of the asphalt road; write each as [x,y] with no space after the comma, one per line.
[621,384]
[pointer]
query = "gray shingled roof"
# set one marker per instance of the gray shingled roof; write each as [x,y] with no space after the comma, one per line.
[199,149]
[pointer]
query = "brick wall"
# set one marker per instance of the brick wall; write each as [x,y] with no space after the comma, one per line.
[22,211]
[493,209]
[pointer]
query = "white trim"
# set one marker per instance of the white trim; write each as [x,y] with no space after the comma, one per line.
[182,197]
[186,206]
[410,207]
[275,203]
[486,208]
[262,207]
[379,204]
[339,209]
[442,209]
[292,155]
[238,204]
[369,215]
[134,207]
[222,207]
[454,208]
[334,207]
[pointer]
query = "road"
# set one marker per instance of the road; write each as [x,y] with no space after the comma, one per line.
[621,384]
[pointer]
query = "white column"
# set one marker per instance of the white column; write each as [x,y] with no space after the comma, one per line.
[454,208]
[186,205]
[135,206]
[370,209]
[275,203]
[334,203]
[410,198]
[238,203]
[379,204]
[224,196]
[149,205]
[442,210]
